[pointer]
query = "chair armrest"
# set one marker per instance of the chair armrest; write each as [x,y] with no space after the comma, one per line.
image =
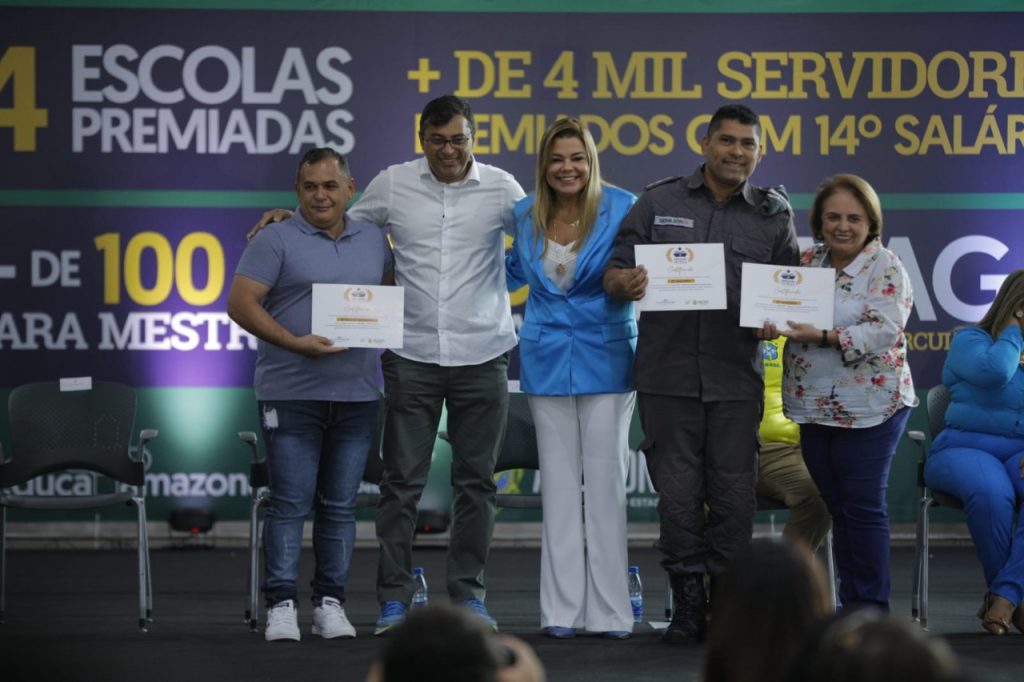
[145,435]
[918,439]
[249,438]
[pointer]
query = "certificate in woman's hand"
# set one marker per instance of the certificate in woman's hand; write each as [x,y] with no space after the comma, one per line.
[776,293]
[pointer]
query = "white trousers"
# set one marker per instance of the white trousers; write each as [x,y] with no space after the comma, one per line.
[584,559]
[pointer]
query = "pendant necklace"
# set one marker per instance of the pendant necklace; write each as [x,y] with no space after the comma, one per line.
[560,267]
[573,228]
[561,255]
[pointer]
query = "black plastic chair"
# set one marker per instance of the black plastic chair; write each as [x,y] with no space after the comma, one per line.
[936,402]
[54,430]
[259,492]
[519,451]
[259,483]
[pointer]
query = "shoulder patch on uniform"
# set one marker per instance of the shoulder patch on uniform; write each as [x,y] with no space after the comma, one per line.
[775,201]
[663,181]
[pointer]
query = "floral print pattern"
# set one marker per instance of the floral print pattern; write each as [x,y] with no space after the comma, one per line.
[868,379]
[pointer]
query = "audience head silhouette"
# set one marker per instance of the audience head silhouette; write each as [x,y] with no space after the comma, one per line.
[445,643]
[763,607]
[867,645]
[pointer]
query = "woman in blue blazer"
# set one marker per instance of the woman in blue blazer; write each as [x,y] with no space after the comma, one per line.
[979,455]
[576,355]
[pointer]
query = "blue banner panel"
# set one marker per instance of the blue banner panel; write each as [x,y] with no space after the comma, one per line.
[136,295]
[188,99]
[956,261]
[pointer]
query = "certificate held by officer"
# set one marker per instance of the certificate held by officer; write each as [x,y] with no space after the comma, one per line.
[682,276]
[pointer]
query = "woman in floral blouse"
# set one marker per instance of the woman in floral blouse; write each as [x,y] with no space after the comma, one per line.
[849,387]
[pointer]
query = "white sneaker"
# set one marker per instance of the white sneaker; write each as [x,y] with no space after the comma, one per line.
[329,620]
[282,622]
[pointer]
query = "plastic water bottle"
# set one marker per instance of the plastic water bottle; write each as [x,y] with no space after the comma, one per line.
[419,597]
[636,594]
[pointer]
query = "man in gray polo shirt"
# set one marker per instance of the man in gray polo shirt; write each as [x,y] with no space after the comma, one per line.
[318,402]
[699,375]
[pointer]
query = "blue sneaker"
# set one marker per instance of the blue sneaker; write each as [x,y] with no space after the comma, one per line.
[392,613]
[477,607]
[559,632]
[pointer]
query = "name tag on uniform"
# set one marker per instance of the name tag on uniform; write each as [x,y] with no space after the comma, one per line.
[672,220]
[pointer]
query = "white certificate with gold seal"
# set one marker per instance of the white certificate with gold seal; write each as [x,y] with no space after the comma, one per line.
[682,276]
[777,293]
[359,315]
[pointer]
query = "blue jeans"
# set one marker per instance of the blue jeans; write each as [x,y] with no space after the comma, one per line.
[851,469]
[983,470]
[316,453]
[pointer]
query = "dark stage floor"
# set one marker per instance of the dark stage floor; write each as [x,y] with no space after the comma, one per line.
[71,616]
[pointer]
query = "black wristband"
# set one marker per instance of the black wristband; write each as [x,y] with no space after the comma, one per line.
[824,339]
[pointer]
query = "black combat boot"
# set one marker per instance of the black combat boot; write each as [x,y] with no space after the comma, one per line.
[689,617]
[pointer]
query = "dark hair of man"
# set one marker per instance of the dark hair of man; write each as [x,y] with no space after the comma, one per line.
[441,643]
[439,111]
[734,112]
[318,154]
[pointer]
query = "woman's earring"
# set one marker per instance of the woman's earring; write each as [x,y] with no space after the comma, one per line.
[1018,314]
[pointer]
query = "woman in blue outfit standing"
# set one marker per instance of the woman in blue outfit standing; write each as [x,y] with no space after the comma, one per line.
[576,356]
[979,455]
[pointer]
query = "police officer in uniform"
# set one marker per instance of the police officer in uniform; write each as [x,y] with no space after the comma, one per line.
[699,375]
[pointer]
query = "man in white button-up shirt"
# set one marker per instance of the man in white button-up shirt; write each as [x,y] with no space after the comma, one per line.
[446,213]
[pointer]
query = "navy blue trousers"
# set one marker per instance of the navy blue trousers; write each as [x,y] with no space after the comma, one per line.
[851,469]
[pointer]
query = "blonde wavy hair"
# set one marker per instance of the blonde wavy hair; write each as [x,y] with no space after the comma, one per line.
[588,201]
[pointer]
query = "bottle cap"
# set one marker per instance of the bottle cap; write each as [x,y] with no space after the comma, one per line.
[417,571]
[634,569]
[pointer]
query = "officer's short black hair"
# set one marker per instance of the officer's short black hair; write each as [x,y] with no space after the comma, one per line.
[734,112]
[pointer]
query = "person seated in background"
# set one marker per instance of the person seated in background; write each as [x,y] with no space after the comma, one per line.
[866,645]
[782,474]
[442,643]
[979,455]
[770,597]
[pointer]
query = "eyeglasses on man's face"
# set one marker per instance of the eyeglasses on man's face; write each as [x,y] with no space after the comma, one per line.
[439,141]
